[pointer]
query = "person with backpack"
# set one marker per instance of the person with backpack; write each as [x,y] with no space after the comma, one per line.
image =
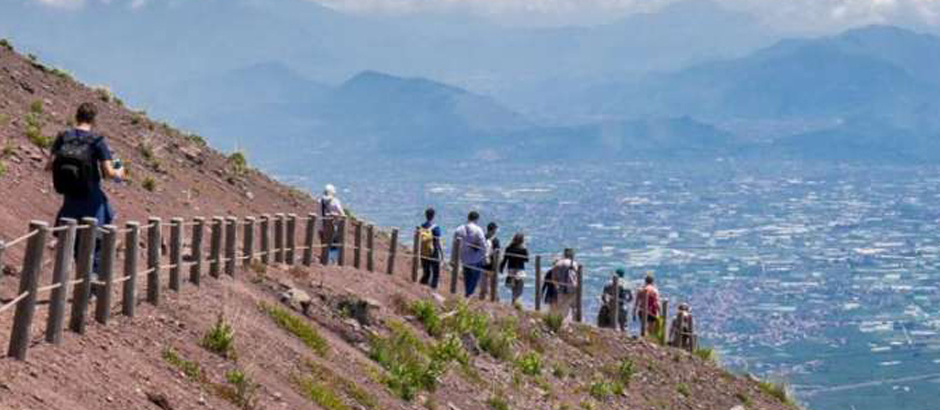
[432,249]
[616,286]
[517,255]
[646,306]
[562,281]
[472,252]
[331,209]
[682,332]
[492,248]
[80,160]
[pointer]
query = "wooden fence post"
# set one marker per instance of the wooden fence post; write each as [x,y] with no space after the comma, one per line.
[455,264]
[279,238]
[615,305]
[176,253]
[665,322]
[416,255]
[108,256]
[357,244]
[392,252]
[60,275]
[3,247]
[195,271]
[579,310]
[370,245]
[327,238]
[154,242]
[265,228]
[308,238]
[494,281]
[231,238]
[343,224]
[29,282]
[248,245]
[215,247]
[83,270]
[291,242]
[538,283]
[644,307]
[131,248]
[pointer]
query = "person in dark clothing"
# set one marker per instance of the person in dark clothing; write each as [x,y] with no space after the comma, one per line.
[492,248]
[624,297]
[432,249]
[83,196]
[515,259]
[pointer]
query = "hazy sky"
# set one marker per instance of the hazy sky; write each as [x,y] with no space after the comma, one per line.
[784,14]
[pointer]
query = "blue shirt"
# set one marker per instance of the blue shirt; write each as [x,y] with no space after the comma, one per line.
[95,204]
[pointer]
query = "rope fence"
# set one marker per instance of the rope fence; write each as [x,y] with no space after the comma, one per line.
[231,241]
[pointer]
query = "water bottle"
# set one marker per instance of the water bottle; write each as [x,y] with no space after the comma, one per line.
[118,165]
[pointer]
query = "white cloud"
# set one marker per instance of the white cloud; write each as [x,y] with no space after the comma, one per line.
[64,4]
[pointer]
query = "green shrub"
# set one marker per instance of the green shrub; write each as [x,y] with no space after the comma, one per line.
[58,72]
[149,184]
[241,390]
[497,402]
[707,354]
[450,349]
[406,360]
[600,390]
[464,321]
[321,394]
[196,139]
[530,364]
[189,368]
[298,327]
[220,339]
[625,371]
[239,162]
[553,322]
[426,313]
[332,382]
[4,43]
[777,390]
[498,343]
[683,389]
[36,107]
[146,151]
[3,168]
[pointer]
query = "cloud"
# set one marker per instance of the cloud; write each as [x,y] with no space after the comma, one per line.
[63,4]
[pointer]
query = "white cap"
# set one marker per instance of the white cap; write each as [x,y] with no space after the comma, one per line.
[329,190]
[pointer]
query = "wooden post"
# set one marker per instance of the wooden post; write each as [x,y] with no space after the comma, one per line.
[392,252]
[265,239]
[29,282]
[579,309]
[231,238]
[3,247]
[108,256]
[370,244]
[291,242]
[83,267]
[60,275]
[494,280]
[154,242]
[342,241]
[279,238]
[615,308]
[455,265]
[195,271]
[665,315]
[327,237]
[643,304]
[131,248]
[248,245]
[215,247]
[308,238]
[176,253]
[416,255]
[538,283]
[357,244]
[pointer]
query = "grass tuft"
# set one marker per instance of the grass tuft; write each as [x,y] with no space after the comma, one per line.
[530,364]
[553,322]
[220,339]
[298,327]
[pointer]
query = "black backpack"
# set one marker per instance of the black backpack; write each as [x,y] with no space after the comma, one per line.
[73,170]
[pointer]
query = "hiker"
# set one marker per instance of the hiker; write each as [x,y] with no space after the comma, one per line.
[616,286]
[432,249]
[80,159]
[682,332]
[331,209]
[492,249]
[517,255]
[561,285]
[647,306]
[472,252]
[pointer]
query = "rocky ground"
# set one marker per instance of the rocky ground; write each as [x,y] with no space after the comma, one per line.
[319,337]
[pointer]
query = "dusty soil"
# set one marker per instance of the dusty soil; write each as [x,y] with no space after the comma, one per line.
[127,364]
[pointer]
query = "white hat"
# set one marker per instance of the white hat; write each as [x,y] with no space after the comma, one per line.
[329,190]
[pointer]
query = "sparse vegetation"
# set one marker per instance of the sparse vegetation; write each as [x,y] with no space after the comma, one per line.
[146,151]
[743,398]
[36,107]
[426,313]
[297,327]
[58,72]
[321,394]
[625,371]
[104,94]
[4,43]
[3,168]
[241,390]
[220,339]
[196,139]
[498,402]
[404,357]
[239,162]
[450,349]
[707,354]
[602,389]
[149,184]
[683,389]
[530,364]
[189,368]
[34,124]
[777,390]
[349,388]
[553,322]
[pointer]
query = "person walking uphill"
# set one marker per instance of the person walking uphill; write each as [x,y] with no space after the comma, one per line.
[517,255]
[562,284]
[80,159]
[432,249]
[331,209]
[472,252]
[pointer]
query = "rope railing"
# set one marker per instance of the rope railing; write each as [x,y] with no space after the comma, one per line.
[231,241]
